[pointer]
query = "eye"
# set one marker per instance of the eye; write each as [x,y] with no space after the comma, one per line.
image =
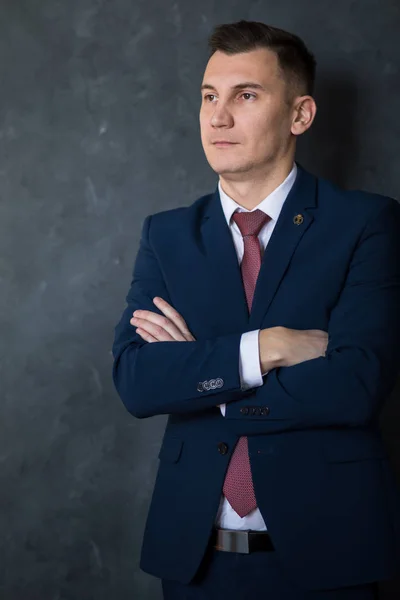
[248,94]
[242,94]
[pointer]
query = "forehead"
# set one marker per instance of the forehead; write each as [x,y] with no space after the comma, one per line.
[259,65]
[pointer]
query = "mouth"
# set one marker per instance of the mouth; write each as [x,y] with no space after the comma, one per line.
[224,144]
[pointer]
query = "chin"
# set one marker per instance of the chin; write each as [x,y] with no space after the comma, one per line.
[222,168]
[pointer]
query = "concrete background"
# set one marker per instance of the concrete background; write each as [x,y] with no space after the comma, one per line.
[99,107]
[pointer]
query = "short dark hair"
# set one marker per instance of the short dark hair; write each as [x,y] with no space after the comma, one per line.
[296,63]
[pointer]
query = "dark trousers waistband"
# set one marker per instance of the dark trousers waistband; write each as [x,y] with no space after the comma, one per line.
[245,542]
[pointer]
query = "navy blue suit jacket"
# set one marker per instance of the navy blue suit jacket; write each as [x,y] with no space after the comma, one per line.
[322,477]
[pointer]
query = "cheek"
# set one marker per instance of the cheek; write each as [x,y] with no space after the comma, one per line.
[205,115]
[268,129]
[258,125]
[261,135]
[201,121]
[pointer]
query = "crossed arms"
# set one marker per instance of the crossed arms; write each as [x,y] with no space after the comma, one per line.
[346,386]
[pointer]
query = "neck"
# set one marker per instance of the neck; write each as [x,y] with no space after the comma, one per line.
[248,193]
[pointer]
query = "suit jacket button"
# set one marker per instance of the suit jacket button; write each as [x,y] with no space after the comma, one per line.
[222,448]
[244,410]
[255,410]
[265,411]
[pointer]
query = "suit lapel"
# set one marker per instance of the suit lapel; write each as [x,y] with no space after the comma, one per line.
[293,222]
[223,269]
[218,248]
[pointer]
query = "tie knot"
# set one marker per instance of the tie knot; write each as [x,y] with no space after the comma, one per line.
[250,223]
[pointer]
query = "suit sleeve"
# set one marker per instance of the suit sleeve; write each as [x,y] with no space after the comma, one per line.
[169,377]
[346,387]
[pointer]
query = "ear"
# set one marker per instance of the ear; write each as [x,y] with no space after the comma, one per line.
[303,114]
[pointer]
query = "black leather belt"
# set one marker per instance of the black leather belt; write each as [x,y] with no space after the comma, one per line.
[230,540]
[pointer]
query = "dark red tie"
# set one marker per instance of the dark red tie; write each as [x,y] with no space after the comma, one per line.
[238,485]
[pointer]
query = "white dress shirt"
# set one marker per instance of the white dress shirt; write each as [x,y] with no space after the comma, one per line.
[249,354]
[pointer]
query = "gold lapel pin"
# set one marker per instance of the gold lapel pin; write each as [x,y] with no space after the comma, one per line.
[298,219]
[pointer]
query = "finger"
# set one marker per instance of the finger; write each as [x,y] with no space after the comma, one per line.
[161,333]
[158,325]
[172,314]
[146,336]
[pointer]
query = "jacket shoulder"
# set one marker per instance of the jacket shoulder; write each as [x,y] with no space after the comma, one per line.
[357,208]
[171,219]
[355,201]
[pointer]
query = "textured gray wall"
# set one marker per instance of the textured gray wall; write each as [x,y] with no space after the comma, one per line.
[99,106]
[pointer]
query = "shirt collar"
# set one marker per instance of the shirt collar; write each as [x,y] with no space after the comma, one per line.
[271,205]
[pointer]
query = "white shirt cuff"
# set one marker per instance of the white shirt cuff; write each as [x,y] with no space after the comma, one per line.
[249,362]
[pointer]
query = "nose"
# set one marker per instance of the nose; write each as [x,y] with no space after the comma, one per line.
[221,116]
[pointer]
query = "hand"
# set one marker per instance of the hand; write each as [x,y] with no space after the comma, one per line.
[285,347]
[153,327]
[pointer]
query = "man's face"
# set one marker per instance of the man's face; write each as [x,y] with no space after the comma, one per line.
[258,121]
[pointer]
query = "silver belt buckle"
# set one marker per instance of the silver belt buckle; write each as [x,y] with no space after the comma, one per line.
[233,541]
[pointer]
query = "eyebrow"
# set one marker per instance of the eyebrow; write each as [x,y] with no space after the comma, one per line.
[238,86]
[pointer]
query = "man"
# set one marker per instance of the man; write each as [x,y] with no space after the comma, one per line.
[284,290]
